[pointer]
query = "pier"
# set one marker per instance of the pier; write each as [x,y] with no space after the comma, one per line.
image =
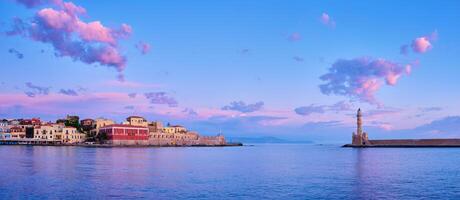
[360,139]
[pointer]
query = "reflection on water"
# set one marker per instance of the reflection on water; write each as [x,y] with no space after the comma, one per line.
[253,172]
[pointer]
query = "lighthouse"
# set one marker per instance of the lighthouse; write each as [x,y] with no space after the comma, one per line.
[359,122]
[359,138]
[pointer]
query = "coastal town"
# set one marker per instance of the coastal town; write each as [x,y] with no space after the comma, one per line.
[135,131]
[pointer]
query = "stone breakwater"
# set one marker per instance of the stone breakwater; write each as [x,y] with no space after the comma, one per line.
[360,139]
[409,143]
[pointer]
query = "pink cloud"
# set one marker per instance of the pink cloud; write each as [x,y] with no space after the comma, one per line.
[425,43]
[386,127]
[95,104]
[95,31]
[408,69]
[294,37]
[89,42]
[361,77]
[143,47]
[421,45]
[327,20]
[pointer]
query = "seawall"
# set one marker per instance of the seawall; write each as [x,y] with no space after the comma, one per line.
[409,143]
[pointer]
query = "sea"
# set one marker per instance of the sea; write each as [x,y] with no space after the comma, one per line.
[259,171]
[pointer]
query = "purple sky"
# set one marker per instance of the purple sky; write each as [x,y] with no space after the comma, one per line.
[296,70]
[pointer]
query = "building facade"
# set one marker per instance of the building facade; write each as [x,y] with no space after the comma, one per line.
[99,123]
[122,134]
[17,132]
[136,121]
[48,133]
[58,133]
[87,125]
[155,126]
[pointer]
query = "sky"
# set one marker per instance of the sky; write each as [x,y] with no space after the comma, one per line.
[296,70]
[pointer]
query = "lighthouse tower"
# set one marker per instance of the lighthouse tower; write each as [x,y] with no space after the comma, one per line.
[359,138]
[359,123]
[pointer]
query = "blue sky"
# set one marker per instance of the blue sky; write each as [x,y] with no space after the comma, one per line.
[205,55]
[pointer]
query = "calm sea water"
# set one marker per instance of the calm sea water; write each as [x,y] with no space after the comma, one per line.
[250,172]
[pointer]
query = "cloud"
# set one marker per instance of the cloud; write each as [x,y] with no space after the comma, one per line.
[30,94]
[447,125]
[33,3]
[161,98]
[404,49]
[361,78]
[129,107]
[143,47]
[60,26]
[298,58]
[18,54]
[241,106]
[327,20]
[68,92]
[294,37]
[382,125]
[58,105]
[381,112]
[320,109]
[132,95]
[308,110]
[430,109]
[340,106]
[420,44]
[36,90]
[190,112]
[244,51]
[426,110]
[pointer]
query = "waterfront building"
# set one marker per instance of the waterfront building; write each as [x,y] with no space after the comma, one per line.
[17,132]
[87,125]
[136,121]
[49,132]
[122,134]
[3,126]
[176,135]
[99,123]
[32,122]
[14,122]
[178,129]
[135,131]
[5,136]
[155,126]
[70,135]
[58,133]
[168,129]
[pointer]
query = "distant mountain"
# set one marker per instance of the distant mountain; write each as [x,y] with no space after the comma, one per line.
[267,139]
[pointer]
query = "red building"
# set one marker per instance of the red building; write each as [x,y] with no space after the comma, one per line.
[125,132]
[33,121]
